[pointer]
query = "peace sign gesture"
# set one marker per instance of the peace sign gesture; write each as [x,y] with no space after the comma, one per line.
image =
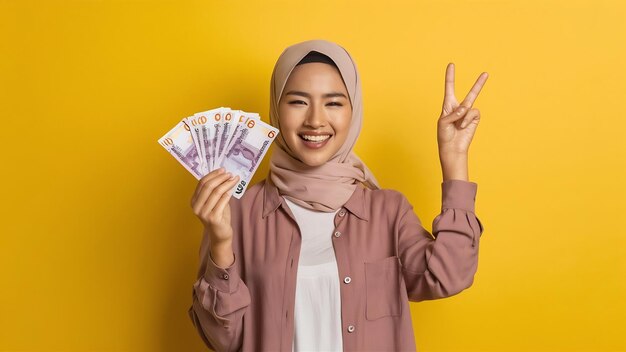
[458,122]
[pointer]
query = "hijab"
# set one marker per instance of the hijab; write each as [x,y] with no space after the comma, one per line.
[325,187]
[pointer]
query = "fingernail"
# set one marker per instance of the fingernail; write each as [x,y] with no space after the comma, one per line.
[460,111]
[463,124]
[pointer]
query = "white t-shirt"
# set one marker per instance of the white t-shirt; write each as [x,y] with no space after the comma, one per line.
[317,312]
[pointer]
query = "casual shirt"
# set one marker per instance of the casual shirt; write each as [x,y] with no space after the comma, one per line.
[317,311]
[385,258]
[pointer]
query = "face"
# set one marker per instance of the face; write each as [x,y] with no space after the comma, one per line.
[314,112]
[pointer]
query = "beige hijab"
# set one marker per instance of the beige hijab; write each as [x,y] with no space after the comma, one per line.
[326,187]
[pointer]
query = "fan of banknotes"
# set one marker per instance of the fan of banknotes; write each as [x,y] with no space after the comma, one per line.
[221,137]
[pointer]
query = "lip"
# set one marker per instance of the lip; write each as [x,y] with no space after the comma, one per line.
[316,145]
[313,133]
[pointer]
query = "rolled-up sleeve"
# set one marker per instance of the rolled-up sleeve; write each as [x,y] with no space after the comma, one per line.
[220,299]
[443,263]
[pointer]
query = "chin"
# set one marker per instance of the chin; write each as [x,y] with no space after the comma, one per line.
[309,157]
[311,163]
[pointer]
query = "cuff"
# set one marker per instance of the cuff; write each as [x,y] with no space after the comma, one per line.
[458,194]
[223,279]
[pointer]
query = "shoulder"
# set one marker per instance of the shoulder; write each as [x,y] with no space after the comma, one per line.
[386,196]
[385,203]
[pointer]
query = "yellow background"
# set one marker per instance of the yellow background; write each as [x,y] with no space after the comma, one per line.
[98,246]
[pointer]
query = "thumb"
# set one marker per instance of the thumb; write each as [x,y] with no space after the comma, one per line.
[456,114]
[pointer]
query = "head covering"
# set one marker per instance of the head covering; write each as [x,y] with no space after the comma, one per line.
[326,187]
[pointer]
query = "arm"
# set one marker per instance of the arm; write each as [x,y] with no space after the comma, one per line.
[220,299]
[444,264]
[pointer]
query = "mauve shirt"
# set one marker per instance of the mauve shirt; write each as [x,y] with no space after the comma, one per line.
[385,258]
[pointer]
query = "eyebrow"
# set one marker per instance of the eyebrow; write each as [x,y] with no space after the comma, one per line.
[327,95]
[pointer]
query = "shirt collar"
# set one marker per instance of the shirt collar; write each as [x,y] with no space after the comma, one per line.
[357,204]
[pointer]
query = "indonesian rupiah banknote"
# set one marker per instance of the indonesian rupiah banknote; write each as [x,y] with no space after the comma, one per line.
[221,137]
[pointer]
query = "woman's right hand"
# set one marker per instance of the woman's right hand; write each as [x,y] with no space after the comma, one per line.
[210,204]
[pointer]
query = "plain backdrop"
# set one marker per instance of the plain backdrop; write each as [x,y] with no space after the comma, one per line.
[99,245]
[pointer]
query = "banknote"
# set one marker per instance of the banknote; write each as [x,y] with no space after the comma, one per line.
[195,124]
[205,134]
[247,150]
[179,142]
[222,137]
[233,128]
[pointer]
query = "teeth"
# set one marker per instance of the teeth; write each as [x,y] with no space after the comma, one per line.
[315,138]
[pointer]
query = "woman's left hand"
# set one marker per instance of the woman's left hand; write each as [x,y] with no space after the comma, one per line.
[458,122]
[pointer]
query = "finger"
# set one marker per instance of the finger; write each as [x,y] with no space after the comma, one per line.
[473,93]
[455,115]
[203,181]
[448,95]
[460,110]
[208,190]
[223,201]
[219,191]
[202,187]
[471,115]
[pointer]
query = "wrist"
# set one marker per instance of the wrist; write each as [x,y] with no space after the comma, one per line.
[222,254]
[451,154]
[454,166]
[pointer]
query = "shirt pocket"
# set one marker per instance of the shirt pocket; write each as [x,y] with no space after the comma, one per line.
[382,288]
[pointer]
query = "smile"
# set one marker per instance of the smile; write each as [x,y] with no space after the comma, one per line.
[315,138]
[315,141]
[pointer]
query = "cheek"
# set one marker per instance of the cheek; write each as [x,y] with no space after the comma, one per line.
[342,124]
[287,129]
[287,121]
[342,127]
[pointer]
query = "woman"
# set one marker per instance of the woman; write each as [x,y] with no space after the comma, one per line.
[317,256]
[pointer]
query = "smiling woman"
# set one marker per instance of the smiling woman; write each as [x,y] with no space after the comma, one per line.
[317,256]
[315,111]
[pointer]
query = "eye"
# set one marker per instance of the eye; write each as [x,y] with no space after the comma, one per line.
[335,103]
[296,102]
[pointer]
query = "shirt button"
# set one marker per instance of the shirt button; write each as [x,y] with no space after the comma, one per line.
[347,279]
[351,328]
[225,276]
[337,234]
[342,212]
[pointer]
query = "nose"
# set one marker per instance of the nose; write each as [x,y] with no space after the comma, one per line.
[315,117]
